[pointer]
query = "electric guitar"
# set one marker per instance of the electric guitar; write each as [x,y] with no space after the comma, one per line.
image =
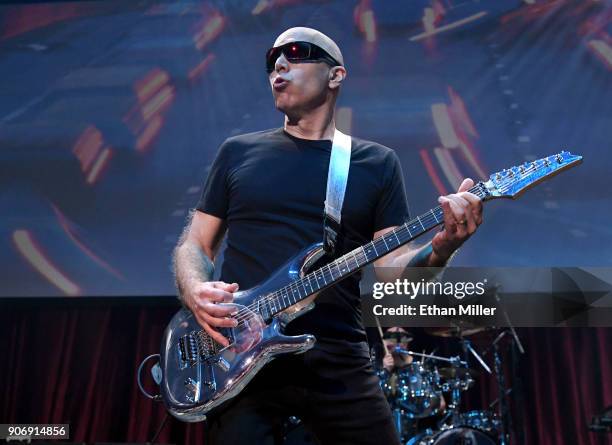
[198,374]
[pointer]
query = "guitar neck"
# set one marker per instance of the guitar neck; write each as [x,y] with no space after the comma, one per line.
[354,260]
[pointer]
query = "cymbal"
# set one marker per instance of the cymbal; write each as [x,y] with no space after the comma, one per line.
[454,331]
[454,372]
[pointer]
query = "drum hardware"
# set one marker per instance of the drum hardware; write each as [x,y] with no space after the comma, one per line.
[415,393]
[455,331]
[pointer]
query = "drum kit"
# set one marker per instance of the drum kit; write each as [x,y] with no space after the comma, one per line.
[425,390]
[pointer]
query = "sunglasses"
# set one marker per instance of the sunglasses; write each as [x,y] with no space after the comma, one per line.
[298,52]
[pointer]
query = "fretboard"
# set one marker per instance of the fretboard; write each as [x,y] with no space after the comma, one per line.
[353,261]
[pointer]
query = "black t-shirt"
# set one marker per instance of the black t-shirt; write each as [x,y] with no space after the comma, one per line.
[270,187]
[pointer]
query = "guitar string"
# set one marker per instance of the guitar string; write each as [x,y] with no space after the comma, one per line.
[247,313]
[357,258]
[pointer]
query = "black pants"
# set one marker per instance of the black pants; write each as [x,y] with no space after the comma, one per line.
[337,396]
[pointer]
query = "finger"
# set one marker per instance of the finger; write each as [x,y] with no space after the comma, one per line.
[467,184]
[228,287]
[218,322]
[462,220]
[475,205]
[458,207]
[215,295]
[216,336]
[463,212]
[450,223]
[219,309]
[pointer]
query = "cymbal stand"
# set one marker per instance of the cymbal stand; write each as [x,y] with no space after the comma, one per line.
[501,390]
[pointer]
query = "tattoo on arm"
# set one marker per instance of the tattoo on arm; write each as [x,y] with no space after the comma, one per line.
[190,263]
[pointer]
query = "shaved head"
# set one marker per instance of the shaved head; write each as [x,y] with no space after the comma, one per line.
[303,34]
[305,88]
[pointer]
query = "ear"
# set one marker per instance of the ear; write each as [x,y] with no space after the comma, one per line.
[337,75]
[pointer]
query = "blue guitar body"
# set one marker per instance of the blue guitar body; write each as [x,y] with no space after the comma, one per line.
[198,376]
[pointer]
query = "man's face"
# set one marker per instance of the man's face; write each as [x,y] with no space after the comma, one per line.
[299,87]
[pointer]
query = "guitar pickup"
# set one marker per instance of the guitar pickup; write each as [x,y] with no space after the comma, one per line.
[198,346]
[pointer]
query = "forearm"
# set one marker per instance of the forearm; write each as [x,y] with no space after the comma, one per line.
[191,265]
[424,256]
[413,263]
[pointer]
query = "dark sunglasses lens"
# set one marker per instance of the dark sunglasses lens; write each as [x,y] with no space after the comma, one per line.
[271,57]
[297,51]
[293,51]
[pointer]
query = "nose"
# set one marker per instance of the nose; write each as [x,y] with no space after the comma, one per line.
[281,64]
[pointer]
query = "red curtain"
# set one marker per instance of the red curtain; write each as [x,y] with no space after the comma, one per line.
[75,362]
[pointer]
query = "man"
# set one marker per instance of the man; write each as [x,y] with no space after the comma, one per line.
[396,337]
[266,190]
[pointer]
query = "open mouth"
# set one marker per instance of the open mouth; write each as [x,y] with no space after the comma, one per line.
[280,83]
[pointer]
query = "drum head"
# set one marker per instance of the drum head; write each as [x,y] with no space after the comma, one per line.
[462,436]
[417,390]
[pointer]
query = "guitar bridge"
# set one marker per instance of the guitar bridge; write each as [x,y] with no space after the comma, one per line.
[198,346]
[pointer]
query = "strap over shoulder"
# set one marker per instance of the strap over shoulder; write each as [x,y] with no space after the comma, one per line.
[337,177]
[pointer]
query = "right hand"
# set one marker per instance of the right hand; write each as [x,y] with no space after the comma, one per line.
[388,362]
[205,301]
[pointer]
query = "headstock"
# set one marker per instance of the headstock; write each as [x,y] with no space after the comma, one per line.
[510,183]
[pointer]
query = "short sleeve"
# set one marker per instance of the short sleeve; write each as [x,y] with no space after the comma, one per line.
[392,208]
[214,198]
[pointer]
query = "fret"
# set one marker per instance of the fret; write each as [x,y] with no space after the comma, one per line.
[355,258]
[267,309]
[434,215]
[264,310]
[316,280]
[348,268]
[332,271]
[374,246]
[313,278]
[406,226]
[293,291]
[306,293]
[383,238]
[258,309]
[419,220]
[331,276]
[398,241]
[309,283]
[321,277]
[365,253]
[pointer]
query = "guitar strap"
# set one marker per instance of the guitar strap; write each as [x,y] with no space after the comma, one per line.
[337,177]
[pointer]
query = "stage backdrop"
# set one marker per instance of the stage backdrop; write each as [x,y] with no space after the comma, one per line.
[111,113]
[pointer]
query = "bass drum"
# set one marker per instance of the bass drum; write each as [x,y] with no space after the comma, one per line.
[453,436]
[418,392]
